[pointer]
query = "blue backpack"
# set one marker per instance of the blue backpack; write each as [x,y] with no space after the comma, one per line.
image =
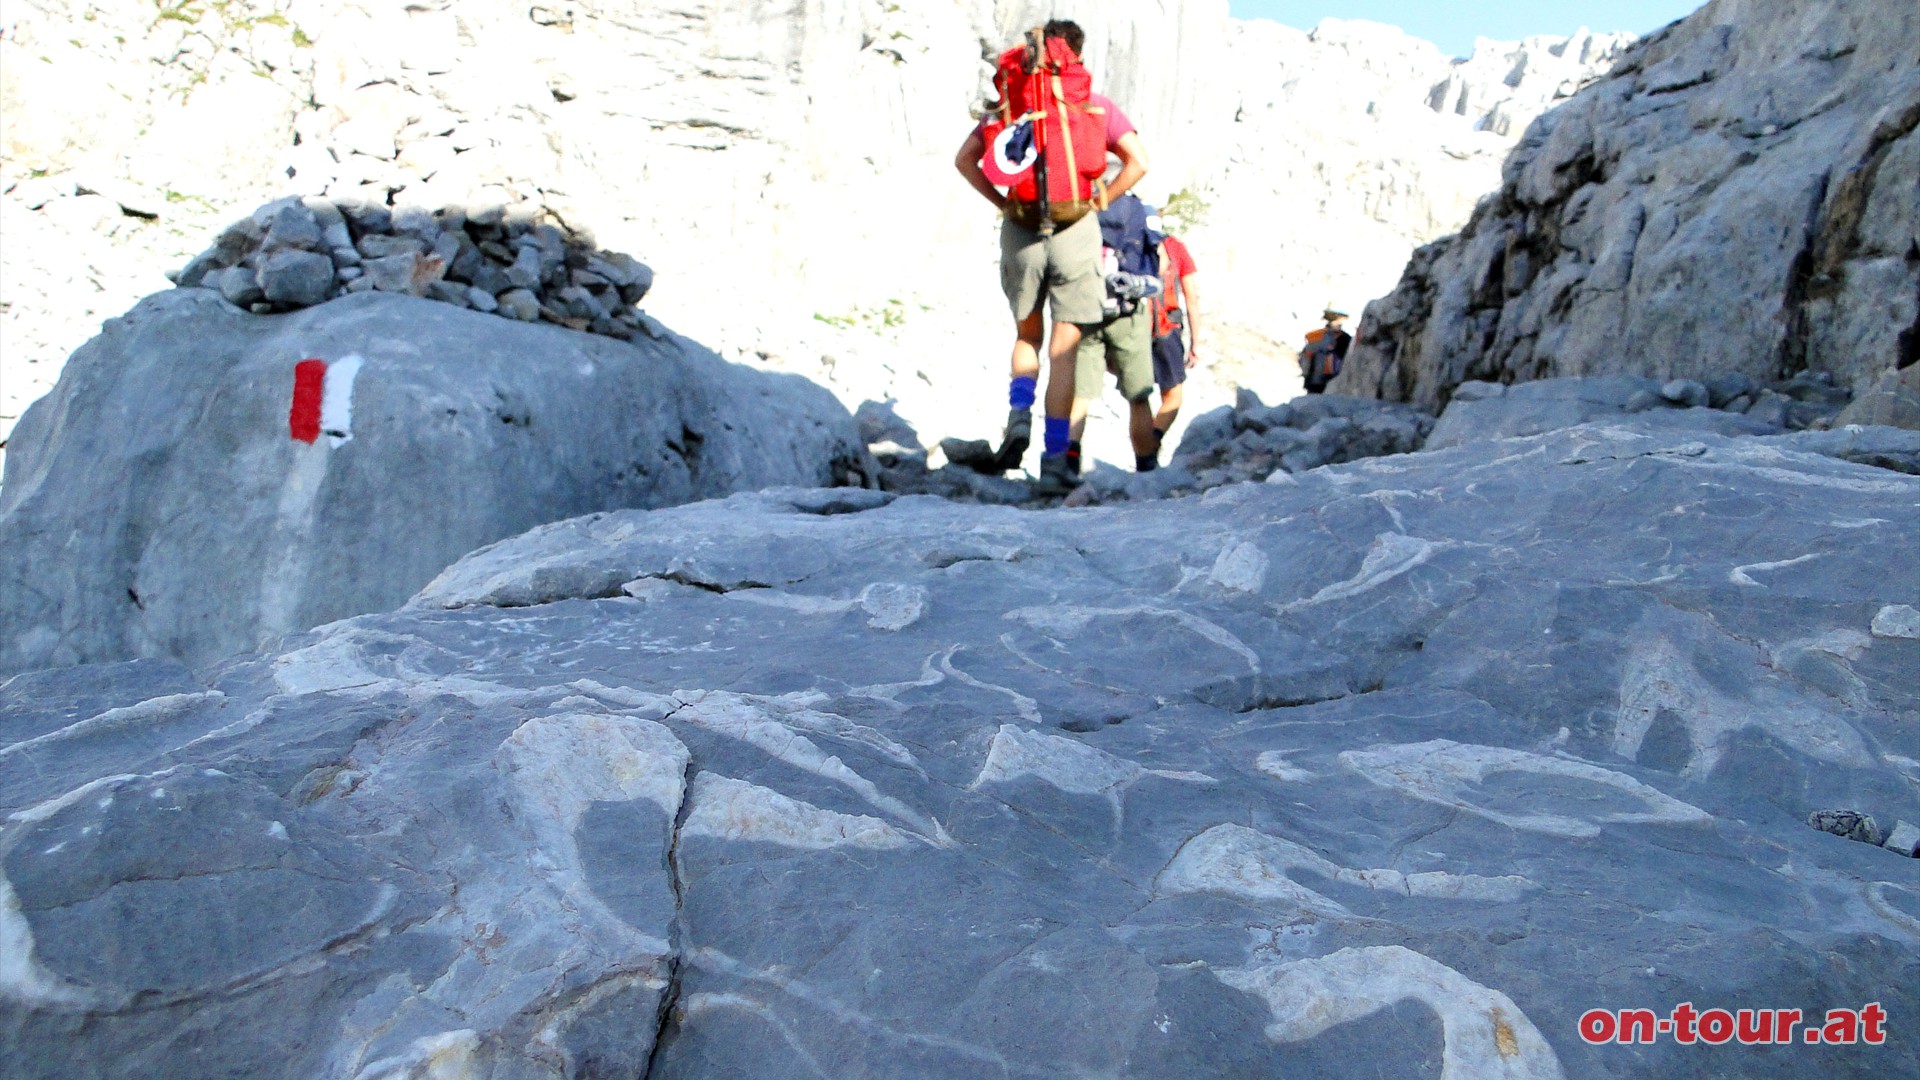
[1130,258]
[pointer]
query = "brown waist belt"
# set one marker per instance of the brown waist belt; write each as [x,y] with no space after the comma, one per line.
[1032,214]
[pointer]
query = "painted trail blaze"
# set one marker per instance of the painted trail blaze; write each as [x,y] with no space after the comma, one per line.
[309,380]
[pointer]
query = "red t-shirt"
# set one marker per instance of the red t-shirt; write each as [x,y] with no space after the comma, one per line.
[1118,126]
[1176,262]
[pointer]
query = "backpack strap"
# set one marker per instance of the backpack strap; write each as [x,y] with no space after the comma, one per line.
[1060,103]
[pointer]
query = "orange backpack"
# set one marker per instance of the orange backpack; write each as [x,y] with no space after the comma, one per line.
[1045,87]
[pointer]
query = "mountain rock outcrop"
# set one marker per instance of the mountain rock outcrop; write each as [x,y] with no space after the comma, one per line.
[1736,197]
[1312,162]
[1391,768]
[204,480]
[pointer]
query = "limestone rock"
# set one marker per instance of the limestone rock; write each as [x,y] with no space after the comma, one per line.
[1733,198]
[1893,401]
[1904,839]
[1849,825]
[155,504]
[1392,768]
[296,278]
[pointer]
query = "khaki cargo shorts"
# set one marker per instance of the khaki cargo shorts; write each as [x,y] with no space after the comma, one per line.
[1127,342]
[1063,268]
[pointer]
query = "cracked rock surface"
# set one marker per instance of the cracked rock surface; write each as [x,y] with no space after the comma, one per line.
[1390,768]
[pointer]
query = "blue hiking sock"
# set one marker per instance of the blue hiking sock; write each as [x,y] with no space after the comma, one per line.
[1059,432]
[1020,394]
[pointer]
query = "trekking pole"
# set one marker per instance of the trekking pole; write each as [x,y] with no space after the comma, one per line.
[1036,62]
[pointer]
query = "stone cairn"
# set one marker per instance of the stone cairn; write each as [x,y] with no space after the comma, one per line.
[511,261]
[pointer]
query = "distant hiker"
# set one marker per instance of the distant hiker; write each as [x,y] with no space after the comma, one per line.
[1176,335]
[1047,141]
[1326,351]
[1122,342]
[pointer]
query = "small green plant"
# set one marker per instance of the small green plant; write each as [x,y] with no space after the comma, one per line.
[890,315]
[1186,209]
[185,11]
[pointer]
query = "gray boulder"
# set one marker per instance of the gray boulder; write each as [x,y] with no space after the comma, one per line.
[1894,400]
[298,278]
[1686,393]
[1735,198]
[1393,768]
[154,503]
[239,285]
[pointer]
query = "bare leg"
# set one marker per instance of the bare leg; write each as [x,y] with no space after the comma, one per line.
[1081,406]
[1140,429]
[1062,352]
[1028,333]
[1170,402]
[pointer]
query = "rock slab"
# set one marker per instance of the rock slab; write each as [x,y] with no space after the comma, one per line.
[158,502]
[1395,768]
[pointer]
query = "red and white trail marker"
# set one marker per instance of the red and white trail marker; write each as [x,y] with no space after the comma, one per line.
[323,399]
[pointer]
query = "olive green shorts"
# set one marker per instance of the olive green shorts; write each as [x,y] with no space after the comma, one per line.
[1126,343]
[1063,268]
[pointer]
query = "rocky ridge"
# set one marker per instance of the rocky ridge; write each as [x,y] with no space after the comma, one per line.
[1735,196]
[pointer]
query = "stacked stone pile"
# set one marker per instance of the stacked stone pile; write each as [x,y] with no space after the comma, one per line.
[512,261]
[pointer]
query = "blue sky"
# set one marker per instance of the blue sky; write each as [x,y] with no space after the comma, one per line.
[1453,26]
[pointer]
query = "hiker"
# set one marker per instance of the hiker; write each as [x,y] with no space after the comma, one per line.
[1122,342]
[1047,142]
[1176,335]
[1326,351]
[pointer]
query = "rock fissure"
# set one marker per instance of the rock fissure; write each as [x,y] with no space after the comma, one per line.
[678,942]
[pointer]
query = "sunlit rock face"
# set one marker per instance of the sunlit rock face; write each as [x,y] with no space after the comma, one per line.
[1453,746]
[1736,196]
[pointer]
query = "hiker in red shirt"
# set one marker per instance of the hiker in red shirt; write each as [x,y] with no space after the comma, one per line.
[1176,334]
[1049,247]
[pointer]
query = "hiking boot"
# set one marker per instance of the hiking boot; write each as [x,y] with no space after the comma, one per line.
[1073,458]
[976,454]
[1056,476]
[1013,447]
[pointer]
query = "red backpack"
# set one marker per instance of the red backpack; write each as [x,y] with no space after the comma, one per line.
[1046,104]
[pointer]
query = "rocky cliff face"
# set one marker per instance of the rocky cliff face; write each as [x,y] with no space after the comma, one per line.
[1736,197]
[810,142]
